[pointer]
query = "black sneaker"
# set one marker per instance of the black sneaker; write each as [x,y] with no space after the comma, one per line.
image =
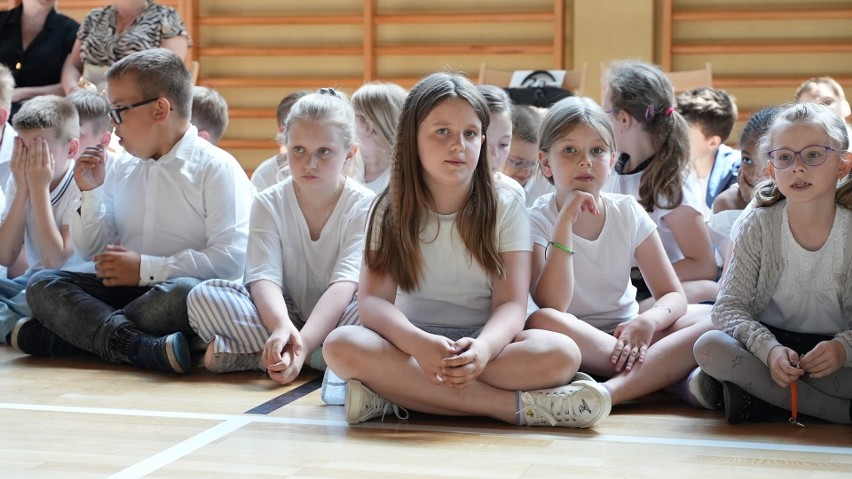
[31,337]
[168,354]
[741,406]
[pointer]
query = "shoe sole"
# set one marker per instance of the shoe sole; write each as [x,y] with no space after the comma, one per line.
[178,353]
[727,394]
[706,390]
[354,401]
[606,401]
[16,330]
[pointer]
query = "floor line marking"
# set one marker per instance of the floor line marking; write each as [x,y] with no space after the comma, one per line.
[284,399]
[181,449]
[538,433]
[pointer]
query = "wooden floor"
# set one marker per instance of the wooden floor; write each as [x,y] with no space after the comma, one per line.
[84,418]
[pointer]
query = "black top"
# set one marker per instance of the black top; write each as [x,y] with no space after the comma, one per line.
[41,64]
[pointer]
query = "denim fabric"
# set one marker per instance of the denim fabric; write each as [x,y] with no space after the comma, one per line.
[13,304]
[87,314]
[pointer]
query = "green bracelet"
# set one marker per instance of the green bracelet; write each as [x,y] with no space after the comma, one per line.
[562,247]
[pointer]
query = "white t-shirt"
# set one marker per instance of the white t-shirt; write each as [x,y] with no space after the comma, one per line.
[807,299]
[720,226]
[380,183]
[603,295]
[629,185]
[63,201]
[455,292]
[537,186]
[186,213]
[7,146]
[268,173]
[280,247]
[511,183]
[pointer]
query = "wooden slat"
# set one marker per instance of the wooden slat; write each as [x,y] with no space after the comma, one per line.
[769,81]
[280,82]
[667,40]
[434,49]
[243,144]
[807,13]
[250,113]
[559,35]
[248,20]
[774,47]
[89,4]
[369,40]
[245,51]
[474,17]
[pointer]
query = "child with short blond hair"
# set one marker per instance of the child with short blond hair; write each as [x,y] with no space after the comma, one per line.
[43,196]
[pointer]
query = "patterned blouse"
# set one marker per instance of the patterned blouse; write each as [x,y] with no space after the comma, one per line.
[99,44]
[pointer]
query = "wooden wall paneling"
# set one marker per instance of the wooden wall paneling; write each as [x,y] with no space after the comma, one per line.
[755,63]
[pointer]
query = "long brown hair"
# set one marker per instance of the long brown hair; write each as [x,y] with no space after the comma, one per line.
[644,91]
[401,211]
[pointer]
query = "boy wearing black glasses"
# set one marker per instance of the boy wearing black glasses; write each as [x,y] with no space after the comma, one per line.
[171,211]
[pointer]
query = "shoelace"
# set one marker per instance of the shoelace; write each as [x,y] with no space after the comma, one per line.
[553,412]
[378,405]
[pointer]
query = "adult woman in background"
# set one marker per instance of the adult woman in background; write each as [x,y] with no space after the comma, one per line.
[111,33]
[36,41]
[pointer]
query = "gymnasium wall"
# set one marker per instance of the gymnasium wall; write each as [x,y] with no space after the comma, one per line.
[256,51]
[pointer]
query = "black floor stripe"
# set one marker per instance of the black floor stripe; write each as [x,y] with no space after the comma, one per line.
[287,398]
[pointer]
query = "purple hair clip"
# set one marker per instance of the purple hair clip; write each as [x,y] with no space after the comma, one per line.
[649,113]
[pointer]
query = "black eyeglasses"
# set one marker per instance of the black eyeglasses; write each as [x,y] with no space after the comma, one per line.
[811,155]
[115,113]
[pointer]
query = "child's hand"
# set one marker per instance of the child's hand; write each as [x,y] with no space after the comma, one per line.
[90,170]
[781,366]
[283,354]
[118,266]
[39,166]
[633,338]
[19,166]
[468,362]
[430,354]
[824,359]
[576,202]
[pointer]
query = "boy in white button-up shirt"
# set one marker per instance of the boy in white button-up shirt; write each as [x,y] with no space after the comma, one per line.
[173,210]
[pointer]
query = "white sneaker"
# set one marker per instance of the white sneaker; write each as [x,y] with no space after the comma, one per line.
[705,390]
[362,404]
[580,404]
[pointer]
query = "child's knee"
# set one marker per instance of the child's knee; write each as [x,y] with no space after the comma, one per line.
[39,281]
[546,318]
[339,350]
[709,351]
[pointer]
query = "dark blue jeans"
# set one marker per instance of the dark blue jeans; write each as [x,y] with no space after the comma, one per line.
[87,314]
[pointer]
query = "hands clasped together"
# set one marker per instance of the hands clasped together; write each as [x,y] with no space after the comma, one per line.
[284,354]
[453,363]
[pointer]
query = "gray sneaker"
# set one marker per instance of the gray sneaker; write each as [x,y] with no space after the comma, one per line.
[705,390]
[232,362]
[580,404]
[362,404]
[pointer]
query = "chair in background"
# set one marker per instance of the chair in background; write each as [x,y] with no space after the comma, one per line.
[689,79]
[575,80]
